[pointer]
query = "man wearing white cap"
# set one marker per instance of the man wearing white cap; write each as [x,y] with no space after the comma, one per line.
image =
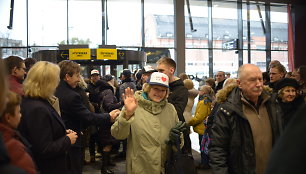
[146,72]
[93,90]
[147,120]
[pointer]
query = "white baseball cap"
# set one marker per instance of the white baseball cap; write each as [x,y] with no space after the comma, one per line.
[94,72]
[160,79]
[148,69]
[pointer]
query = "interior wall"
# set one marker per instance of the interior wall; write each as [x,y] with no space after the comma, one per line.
[299,16]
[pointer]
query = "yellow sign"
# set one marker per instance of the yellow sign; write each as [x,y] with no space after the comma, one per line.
[79,54]
[106,53]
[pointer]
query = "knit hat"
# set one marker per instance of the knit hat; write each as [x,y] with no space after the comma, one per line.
[107,77]
[160,79]
[127,73]
[286,82]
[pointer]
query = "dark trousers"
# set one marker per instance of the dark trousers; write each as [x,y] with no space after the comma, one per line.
[93,140]
[187,142]
[75,154]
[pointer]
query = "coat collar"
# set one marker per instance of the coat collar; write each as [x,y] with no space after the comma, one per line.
[148,105]
[233,99]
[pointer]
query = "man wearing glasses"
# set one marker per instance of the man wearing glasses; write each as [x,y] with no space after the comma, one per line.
[16,72]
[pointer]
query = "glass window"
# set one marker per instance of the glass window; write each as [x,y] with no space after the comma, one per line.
[279,28]
[47,22]
[258,38]
[6,52]
[85,22]
[15,37]
[282,56]
[197,33]
[159,23]
[124,22]
[259,59]
[225,25]
[226,61]
[197,62]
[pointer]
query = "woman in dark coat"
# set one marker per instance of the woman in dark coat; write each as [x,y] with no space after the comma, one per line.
[288,97]
[109,102]
[41,123]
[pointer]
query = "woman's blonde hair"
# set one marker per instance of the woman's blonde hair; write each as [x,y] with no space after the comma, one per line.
[183,76]
[147,88]
[82,84]
[3,86]
[42,80]
[188,84]
[208,90]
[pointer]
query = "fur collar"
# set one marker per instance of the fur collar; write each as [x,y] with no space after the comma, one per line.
[223,94]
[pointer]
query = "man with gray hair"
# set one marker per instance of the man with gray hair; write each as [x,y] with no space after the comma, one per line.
[245,127]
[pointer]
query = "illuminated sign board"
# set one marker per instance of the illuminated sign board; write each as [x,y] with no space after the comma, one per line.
[79,54]
[106,53]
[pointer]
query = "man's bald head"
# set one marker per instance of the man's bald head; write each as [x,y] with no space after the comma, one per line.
[246,69]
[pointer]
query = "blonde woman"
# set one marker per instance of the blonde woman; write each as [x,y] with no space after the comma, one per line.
[41,123]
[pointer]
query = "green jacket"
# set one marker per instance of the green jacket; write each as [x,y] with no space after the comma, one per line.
[147,132]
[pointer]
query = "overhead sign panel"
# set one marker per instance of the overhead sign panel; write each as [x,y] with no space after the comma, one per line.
[106,53]
[79,54]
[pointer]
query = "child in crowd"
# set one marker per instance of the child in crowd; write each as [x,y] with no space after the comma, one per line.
[9,121]
[203,109]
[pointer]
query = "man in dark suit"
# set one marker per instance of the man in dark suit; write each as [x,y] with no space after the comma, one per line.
[75,115]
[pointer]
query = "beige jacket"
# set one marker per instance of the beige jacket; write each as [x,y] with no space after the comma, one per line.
[147,132]
[192,94]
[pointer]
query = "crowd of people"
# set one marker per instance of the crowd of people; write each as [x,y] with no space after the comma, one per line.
[50,114]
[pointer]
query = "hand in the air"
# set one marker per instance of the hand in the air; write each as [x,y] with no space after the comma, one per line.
[130,103]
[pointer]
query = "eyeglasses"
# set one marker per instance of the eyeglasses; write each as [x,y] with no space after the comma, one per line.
[25,69]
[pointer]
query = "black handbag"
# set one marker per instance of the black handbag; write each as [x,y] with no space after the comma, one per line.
[179,162]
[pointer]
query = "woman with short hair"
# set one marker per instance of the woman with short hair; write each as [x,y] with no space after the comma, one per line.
[288,97]
[41,123]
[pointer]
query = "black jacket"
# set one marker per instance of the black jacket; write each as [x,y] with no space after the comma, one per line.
[126,83]
[289,108]
[74,113]
[108,99]
[289,154]
[232,148]
[44,129]
[94,92]
[219,86]
[178,97]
